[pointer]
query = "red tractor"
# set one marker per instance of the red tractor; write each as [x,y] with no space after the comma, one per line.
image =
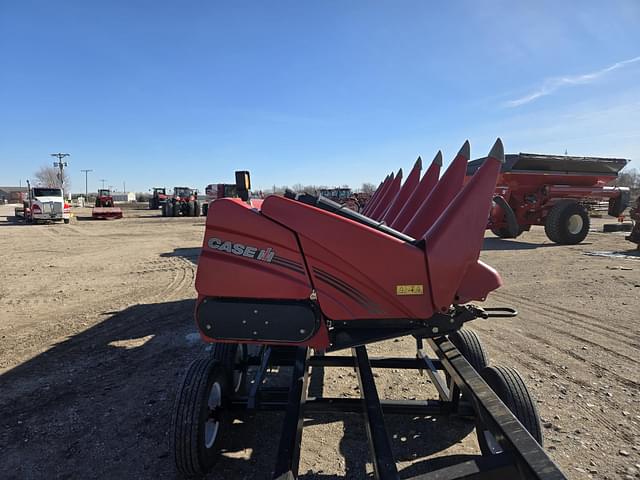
[553,191]
[184,201]
[104,209]
[158,198]
[104,198]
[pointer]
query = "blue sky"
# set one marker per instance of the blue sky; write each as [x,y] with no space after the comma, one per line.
[332,92]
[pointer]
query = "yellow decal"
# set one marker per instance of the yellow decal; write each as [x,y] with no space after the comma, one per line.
[409,289]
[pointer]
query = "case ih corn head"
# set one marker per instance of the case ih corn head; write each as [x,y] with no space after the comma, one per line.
[104,209]
[184,201]
[553,191]
[299,277]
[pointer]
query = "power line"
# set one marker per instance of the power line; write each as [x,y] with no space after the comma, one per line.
[86,188]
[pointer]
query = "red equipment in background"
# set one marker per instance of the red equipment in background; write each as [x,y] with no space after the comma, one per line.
[158,197]
[554,191]
[104,209]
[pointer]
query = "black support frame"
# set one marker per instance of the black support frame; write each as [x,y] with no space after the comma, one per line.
[521,456]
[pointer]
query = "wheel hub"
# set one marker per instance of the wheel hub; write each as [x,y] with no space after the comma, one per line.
[212,424]
[575,224]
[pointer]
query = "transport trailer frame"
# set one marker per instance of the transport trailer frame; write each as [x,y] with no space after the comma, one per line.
[517,455]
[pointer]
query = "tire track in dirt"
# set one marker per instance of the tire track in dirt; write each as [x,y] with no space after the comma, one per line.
[602,333]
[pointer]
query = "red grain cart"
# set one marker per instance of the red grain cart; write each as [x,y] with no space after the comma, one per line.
[554,191]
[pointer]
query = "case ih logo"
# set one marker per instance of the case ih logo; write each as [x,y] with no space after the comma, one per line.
[241,250]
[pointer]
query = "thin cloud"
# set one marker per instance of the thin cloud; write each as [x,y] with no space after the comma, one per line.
[552,84]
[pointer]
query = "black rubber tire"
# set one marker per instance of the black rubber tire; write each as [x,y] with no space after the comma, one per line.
[65,220]
[205,209]
[233,358]
[508,385]
[505,233]
[190,414]
[196,209]
[191,208]
[177,207]
[556,225]
[469,345]
[611,227]
[164,209]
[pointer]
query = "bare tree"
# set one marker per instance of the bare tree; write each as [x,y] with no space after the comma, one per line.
[630,178]
[368,188]
[50,177]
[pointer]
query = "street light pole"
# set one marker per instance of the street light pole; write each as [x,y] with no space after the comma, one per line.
[86,187]
[60,164]
[103,180]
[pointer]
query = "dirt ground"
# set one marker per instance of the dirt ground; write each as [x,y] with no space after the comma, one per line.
[96,330]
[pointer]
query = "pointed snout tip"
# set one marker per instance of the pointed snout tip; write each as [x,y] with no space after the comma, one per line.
[497,151]
[438,158]
[465,151]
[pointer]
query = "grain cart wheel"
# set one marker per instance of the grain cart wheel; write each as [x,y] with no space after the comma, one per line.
[205,209]
[191,209]
[233,357]
[196,209]
[468,344]
[567,223]
[199,419]
[507,383]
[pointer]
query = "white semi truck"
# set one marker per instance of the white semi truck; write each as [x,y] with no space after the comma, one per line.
[44,204]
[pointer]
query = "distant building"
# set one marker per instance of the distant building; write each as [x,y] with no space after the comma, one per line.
[123,197]
[12,194]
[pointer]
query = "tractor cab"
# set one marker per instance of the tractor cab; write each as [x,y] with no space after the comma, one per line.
[184,193]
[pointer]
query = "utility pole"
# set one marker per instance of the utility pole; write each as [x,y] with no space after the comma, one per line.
[124,186]
[103,180]
[60,164]
[86,188]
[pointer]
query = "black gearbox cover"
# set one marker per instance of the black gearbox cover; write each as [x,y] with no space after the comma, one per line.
[258,320]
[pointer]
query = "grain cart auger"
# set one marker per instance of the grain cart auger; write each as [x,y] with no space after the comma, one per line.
[299,277]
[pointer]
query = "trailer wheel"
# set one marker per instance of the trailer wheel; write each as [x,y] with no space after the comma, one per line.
[508,385]
[205,209]
[233,357]
[199,418]
[196,209]
[567,223]
[469,345]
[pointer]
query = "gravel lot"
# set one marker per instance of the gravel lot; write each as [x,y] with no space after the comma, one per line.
[96,329]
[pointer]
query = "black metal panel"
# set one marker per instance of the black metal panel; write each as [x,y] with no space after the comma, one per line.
[259,320]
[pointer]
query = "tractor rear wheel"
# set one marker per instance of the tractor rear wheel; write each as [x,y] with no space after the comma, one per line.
[199,417]
[567,223]
[508,385]
[177,207]
[205,209]
[191,208]
[196,209]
